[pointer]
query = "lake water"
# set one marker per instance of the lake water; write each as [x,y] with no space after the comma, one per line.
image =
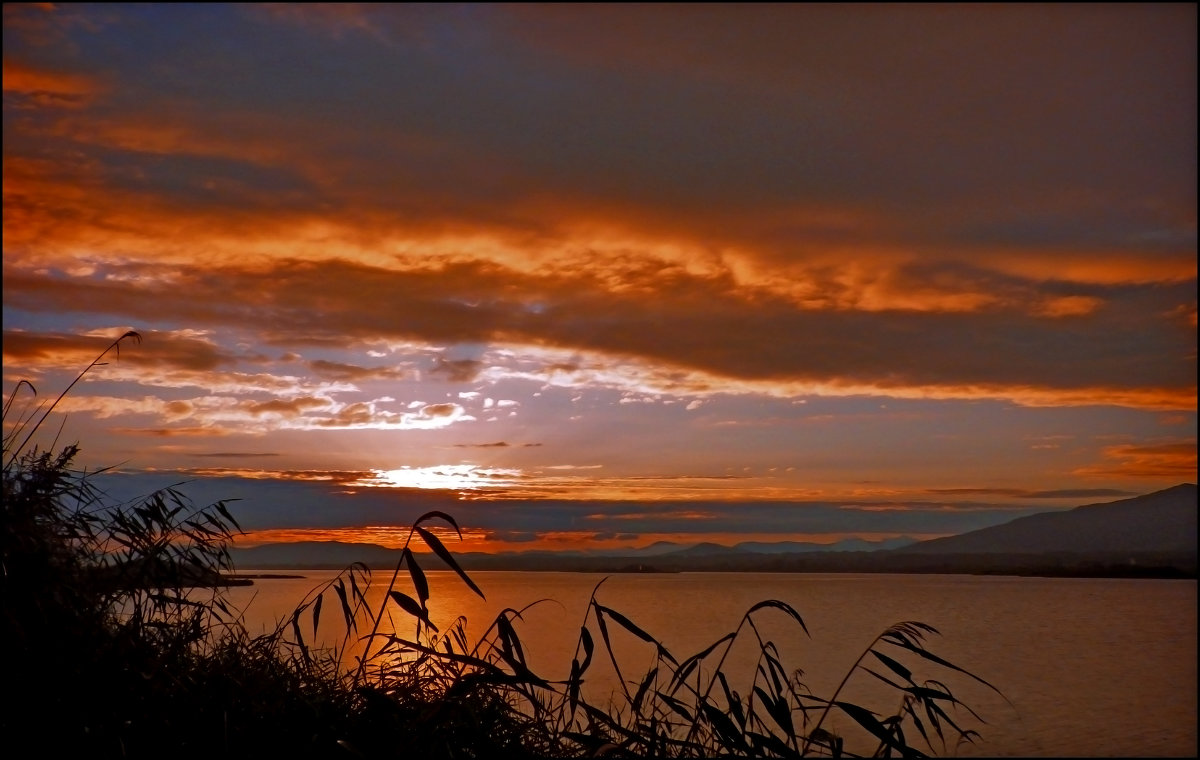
[1091,667]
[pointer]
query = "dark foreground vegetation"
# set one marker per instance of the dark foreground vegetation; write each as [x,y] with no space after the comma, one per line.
[120,645]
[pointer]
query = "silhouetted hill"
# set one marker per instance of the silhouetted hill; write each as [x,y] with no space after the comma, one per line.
[845,545]
[1148,536]
[705,549]
[313,554]
[708,549]
[336,555]
[1163,521]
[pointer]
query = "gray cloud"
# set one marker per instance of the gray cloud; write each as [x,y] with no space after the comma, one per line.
[352,372]
[614,106]
[458,370]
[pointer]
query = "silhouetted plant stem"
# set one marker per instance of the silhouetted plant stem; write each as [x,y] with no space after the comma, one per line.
[116,344]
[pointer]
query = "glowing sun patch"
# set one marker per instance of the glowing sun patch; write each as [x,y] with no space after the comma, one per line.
[456,477]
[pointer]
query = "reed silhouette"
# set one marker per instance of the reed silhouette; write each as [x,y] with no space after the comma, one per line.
[122,645]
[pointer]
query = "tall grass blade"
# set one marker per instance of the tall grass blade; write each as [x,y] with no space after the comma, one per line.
[348,617]
[585,637]
[926,654]
[784,606]
[867,720]
[641,690]
[628,625]
[685,668]
[435,543]
[410,605]
[420,584]
[316,613]
[894,666]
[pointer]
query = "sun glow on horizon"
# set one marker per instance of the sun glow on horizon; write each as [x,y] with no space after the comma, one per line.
[452,477]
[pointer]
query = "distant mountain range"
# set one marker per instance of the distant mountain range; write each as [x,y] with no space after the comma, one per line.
[1163,521]
[336,554]
[1153,534]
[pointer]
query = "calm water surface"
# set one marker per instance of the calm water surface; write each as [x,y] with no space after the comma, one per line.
[1092,667]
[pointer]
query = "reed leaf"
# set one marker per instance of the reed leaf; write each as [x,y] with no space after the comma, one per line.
[435,543]
[628,625]
[731,737]
[685,668]
[316,613]
[420,584]
[676,706]
[585,637]
[732,700]
[410,605]
[867,720]
[641,690]
[348,617]
[784,606]
[926,654]
[894,666]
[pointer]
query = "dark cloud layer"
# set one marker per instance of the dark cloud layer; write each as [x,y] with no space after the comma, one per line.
[649,236]
[711,113]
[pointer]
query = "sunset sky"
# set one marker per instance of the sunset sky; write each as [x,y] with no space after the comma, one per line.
[594,276]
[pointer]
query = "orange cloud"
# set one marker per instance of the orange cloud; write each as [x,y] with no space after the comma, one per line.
[49,87]
[1175,461]
[1068,306]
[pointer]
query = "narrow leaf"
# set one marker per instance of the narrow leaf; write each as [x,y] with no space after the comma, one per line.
[732,699]
[686,667]
[641,692]
[784,606]
[418,576]
[410,605]
[435,543]
[220,505]
[603,627]
[573,684]
[867,720]
[675,705]
[509,639]
[299,635]
[730,736]
[894,666]
[347,614]
[585,637]
[441,516]
[628,625]
[761,742]
[920,652]
[316,614]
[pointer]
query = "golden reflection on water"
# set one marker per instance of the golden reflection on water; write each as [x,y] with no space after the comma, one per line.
[1093,667]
